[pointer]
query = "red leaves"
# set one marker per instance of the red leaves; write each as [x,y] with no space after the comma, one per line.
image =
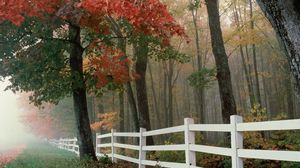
[10,10]
[107,121]
[39,121]
[41,125]
[148,16]
[14,10]
[11,155]
[111,66]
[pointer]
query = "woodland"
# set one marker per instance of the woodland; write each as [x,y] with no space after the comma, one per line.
[82,67]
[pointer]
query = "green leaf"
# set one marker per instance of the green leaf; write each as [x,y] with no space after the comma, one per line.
[202,78]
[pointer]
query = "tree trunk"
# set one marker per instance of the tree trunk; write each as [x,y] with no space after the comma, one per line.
[257,87]
[199,93]
[223,72]
[290,102]
[246,71]
[122,45]
[284,16]
[170,73]
[133,106]
[164,97]
[248,78]
[121,115]
[85,141]
[141,53]
[156,109]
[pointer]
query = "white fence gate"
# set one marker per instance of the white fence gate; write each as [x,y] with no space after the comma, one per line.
[236,152]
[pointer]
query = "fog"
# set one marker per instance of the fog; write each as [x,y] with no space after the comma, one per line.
[12,132]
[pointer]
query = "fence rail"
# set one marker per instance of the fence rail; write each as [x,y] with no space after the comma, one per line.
[236,152]
[67,144]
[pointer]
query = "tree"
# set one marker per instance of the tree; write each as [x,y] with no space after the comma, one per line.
[38,120]
[199,92]
[53,55]
[223,71]
[284,18]
[141,53]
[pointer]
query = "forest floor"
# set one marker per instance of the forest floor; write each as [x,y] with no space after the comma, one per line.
[43,155]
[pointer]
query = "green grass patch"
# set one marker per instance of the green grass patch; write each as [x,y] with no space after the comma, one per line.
[43,155]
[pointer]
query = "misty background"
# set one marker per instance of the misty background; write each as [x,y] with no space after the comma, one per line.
[12,132]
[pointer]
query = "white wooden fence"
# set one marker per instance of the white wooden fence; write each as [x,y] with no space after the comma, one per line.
[67,144]
[236,152]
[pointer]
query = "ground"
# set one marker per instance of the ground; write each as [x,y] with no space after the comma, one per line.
[43,155]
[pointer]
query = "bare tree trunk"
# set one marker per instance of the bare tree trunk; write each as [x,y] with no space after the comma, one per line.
[223,72]
[284,16]
[248,78]
[170,92]
[246,71]
[122,45]
[164,97]
[199,93]
[290,102]
[121,115]
[86,147]
[156,109]
[258,97]
[141,53]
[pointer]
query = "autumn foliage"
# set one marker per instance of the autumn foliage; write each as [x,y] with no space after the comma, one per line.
[15,10]
[11,155]
[150,17]
[111,66]
[107,121]
[38,119]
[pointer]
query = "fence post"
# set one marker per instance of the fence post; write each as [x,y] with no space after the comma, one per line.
[68,144]
[58,143]
[142,154]
[189,138]
[78,150]
[236,141]
[98,142]
[113,149]
[74,143]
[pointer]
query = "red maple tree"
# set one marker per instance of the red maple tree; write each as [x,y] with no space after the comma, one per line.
[149,17]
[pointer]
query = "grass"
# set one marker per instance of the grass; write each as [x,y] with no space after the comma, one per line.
[43,155]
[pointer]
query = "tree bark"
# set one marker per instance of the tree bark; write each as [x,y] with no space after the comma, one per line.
[170,72]
[246,71]
[122,45]
[133,106]
[223,73]
[164,97]
[156,109]
[199,93]
[257,87]
[121,115]
[141,53]
[284,17]
[85,141]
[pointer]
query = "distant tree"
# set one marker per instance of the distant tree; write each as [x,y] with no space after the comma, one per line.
[38,120]
[223,72]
